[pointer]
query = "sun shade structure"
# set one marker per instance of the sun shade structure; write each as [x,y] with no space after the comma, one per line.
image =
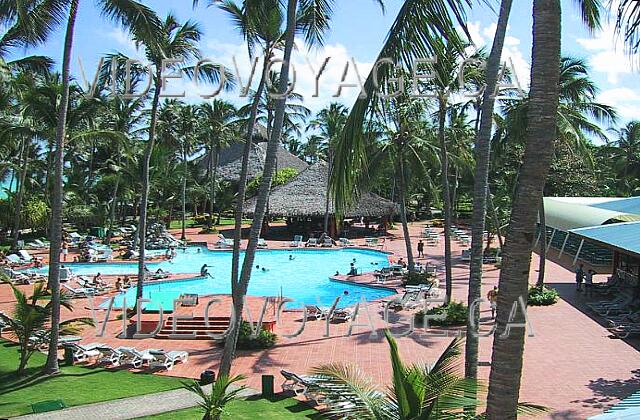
[629,408]
[624,237]
[566,213]
[231,161]
[305,195]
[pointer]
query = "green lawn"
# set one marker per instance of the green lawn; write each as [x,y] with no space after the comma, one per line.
[279,408]
[76,385]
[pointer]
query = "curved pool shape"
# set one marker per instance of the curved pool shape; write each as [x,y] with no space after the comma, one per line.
[305,279]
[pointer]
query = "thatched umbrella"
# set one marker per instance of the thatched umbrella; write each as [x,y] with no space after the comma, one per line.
[231,161]
[305,195]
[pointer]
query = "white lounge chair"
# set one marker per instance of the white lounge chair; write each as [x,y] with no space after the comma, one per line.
[314,311]
[301,385]
[80,292]
[132,356]
[262,243]
[371,241]
[297,241]
[110,355]
[25,256]
[167,359]
[37,244]
[312,242]
[327,243]
[14,259]
[224,242]
[345,242]
[82,352]
[342,315]
[15,276]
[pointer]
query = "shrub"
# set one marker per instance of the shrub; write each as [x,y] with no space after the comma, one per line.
[415,279]
[542,296]
[456,314]
[263,340]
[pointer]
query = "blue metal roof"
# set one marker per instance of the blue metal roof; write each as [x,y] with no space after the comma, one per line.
[629,408]
[622,236]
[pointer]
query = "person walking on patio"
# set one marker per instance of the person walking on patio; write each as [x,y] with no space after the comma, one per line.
[420,249]
[579,277]
[492,297]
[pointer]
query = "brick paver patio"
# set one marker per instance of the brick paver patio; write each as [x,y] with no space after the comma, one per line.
[570,363]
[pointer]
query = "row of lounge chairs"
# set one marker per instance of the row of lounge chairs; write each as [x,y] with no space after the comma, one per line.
[22,277]
[413,297]
[622,313]
[338,314]
[124,356]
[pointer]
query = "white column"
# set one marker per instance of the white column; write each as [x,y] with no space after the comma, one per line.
[563,245]
[575,259]
[553,233]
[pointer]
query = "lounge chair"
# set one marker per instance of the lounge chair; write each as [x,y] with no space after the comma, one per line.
[15,276]
[82,352]
[37,244]
[371,241]
[466,255]
[408,299]
[626,330]
[300,385]
[382,275]
[297,241]
[312,242]
[25,256]
[262,243]
[167,359]
[224,243]
[342,315]
[14,260]
[345,242]
[40,340]
[132,356]
[80,292]
[327,243]
[314,311]
[110,355]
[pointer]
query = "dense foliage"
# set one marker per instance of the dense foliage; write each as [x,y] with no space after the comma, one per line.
[542,296]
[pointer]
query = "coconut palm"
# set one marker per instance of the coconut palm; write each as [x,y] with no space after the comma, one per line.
[507,355]
[213,403]
[218,123]
[329,123]
[482,151]
[626,154]
[30,318]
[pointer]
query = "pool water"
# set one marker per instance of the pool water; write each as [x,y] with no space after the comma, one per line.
[305,278]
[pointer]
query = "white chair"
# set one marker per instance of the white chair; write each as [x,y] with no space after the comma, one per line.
[82,352]
[14,259]
[345,242]
[312,242]
[327,243]
[297,241]
[167,359]
[262,243]
[37,244]
[110,355]
[132,356]
[25,255]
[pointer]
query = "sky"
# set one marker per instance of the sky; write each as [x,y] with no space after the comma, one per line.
[358,30]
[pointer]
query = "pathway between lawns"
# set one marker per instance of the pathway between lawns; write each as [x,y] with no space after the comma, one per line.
[132,407]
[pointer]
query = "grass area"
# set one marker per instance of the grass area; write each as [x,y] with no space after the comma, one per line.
[253,408]
[76,385]
[177,224]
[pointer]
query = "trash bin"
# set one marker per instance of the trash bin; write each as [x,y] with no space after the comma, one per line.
[68,356]
[267,386]
[207,377]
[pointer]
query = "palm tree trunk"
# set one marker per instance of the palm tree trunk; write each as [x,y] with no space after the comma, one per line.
[24,157]
[112,210]
[327,200]
[55,235]
[543,245]
[481,189]
[239,288]
[144,199]
[184,192]
[506,362]
[446,197]
[494,216]
[403,213]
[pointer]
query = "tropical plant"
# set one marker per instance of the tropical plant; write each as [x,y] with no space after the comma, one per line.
[223,391]
[30,318]
[542,296]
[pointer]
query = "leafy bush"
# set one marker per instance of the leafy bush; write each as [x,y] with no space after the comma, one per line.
[456,314]
[415,279]
[263,340]
[542,296]
[35,213]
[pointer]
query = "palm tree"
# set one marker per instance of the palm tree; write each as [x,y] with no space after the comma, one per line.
[261,23]
[507,355]
[218,124]
[213,403]
[329,123]
[627,156]
[31,317]
[131,15]
[482,153]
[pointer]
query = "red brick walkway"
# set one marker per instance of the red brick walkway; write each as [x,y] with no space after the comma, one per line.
[570,364]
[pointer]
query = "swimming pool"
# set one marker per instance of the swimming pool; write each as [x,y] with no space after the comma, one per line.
[305,278]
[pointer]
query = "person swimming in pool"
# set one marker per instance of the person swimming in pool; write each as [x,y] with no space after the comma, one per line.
[264,269]
[291,257]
